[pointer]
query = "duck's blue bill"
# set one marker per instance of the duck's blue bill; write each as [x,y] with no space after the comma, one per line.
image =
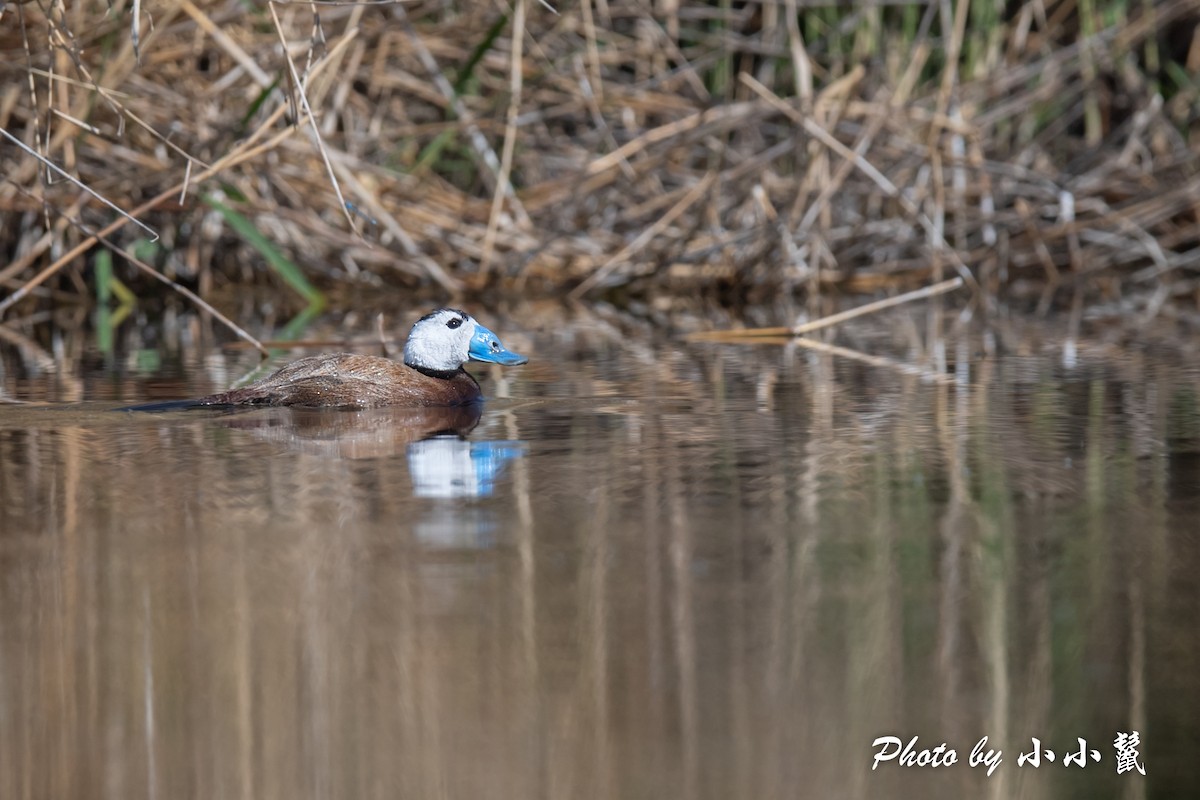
[486,347]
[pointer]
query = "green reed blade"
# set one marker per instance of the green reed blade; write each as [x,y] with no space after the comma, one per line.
[284,267]
[431,153]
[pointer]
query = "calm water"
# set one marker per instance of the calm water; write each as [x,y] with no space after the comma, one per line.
[646,569]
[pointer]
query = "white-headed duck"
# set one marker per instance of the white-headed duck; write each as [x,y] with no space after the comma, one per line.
[432,373]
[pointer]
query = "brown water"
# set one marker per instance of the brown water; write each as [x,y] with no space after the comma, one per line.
[648,569]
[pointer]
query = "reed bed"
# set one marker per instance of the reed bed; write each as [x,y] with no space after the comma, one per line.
[1047,153]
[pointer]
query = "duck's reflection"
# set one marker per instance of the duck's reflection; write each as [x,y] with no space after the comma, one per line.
[372,433]
[442,462]
[450,467]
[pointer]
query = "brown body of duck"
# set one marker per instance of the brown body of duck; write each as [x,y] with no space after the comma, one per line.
[432,373]
[346,380]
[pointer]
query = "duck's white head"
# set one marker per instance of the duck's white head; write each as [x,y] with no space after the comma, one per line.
[445,339]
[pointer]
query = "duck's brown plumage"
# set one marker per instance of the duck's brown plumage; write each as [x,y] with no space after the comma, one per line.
[345,380]
[431,375]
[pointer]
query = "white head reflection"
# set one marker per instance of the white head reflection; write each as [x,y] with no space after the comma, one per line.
[448,467]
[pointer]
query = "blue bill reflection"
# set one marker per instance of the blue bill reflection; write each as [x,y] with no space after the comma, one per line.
[449,467]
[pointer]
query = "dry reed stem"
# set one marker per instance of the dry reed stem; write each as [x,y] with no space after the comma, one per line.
[45,362]
[300,88]
[226,43]
[874,361]
[483,149]
[50,165]
[801,67]
[389,221]
[510,137]
[832,319]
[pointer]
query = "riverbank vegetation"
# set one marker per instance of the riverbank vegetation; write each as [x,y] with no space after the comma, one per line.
[1047,152]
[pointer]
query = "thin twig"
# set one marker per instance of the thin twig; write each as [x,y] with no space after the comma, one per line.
[874,361]
[239,331]
[833,319]
[52,166]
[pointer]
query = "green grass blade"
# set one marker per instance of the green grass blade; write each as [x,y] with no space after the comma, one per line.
[103,270]
[257,104]
[284,267]
[431,153]
[468,69]
[299,323]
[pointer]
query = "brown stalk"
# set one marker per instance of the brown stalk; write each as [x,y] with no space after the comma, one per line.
[510,136]
[832,319]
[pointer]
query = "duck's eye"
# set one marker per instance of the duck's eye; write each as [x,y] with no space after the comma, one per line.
[495,345]
[453,323]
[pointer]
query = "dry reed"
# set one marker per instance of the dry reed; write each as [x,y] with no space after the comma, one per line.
[619,149]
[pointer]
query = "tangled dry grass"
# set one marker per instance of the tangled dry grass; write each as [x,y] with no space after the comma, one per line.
[1046,151]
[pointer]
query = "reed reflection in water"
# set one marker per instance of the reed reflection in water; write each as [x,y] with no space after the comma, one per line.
[712,577]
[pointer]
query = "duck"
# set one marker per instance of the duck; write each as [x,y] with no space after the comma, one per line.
[432,373]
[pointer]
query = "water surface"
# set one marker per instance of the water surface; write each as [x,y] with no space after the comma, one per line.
[645,568]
